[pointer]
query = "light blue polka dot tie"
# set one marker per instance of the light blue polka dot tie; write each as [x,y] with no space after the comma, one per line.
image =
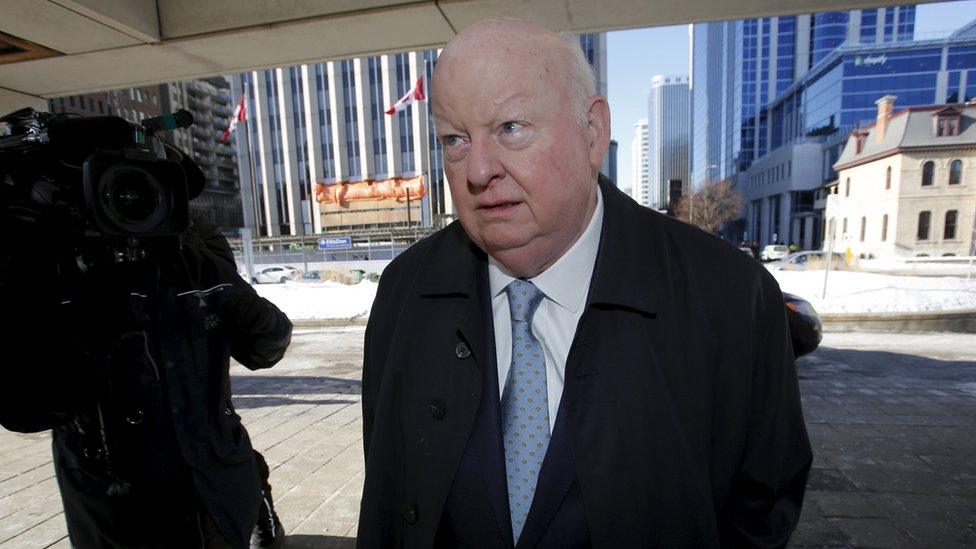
[525,404]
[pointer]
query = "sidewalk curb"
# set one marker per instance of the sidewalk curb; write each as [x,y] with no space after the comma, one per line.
[329,322]
[960,321]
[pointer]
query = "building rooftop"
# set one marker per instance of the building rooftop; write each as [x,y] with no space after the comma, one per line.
[912,128]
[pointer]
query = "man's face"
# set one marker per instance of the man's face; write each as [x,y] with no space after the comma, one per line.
[519,164]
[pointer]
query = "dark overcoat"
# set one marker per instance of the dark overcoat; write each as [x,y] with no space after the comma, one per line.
[131,371]
[681,398]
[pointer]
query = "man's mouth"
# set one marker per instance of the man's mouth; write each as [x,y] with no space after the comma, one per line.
[498,207]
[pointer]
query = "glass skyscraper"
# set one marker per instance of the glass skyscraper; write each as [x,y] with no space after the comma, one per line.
[740,67]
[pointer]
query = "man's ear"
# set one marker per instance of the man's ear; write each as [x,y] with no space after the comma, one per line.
[598,121]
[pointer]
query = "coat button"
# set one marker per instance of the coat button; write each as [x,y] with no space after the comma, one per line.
[437,409]
[409,513]
[462,351]
[135,418]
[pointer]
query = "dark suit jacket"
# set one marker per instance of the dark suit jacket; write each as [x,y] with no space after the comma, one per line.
[681,401]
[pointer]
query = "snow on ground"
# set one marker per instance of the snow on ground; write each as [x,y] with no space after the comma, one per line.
[847,292]
[859,292]
[320,300]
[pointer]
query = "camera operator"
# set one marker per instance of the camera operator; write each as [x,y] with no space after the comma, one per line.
[127,361]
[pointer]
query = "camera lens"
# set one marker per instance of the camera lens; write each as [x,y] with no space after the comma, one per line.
[133,199]
[132,196]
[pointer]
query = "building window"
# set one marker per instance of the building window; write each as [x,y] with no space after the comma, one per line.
[947,125]
[888,178]
[928,171]
[844,231]
[884,228]
[955,172]
[924,220]
[847,187]
[949,233]
[864,222]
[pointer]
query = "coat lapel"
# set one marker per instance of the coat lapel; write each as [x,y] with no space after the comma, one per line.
[447,276]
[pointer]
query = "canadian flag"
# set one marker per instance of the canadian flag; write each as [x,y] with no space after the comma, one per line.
[240,113]
[416,94]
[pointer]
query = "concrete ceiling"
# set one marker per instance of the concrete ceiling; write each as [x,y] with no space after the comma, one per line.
[91,45]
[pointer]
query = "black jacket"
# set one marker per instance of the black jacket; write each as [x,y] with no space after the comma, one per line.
[129,366]
[680,398]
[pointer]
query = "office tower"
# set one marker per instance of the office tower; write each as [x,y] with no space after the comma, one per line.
[667,137]
[738,67]
[638,154]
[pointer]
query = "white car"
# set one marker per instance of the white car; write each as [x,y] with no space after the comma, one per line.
[275,275]
[809,260]
[773,252]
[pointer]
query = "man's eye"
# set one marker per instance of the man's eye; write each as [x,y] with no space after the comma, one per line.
[451,140]
[511,127]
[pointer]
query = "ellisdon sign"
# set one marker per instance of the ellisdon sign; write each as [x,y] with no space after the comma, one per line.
[335,243]
[870,60]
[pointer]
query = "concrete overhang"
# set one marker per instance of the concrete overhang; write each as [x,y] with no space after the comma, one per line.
[94,45]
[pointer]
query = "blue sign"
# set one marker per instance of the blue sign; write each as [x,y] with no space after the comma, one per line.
[335,243]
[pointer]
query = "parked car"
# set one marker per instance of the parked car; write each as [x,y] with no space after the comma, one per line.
[812,260]
[805,328]
[773,252]
[275,275]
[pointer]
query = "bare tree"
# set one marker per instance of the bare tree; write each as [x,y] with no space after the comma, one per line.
[710,207]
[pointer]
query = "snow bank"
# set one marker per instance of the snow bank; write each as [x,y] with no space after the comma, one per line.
[859,292]
[847,292]
[320,300]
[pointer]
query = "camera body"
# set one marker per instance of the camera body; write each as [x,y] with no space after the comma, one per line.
[109,186]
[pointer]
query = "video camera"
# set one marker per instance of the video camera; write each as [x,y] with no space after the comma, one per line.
[106,185]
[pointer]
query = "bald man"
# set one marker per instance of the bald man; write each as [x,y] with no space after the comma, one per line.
[562,367]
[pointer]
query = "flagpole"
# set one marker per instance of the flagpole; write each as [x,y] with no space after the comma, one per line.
[430,167]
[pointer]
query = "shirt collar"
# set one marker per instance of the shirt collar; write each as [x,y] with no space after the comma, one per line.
[567,280]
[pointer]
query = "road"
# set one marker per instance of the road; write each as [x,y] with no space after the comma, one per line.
[892,418]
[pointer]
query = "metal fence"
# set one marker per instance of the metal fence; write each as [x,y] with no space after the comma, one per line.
[307,251]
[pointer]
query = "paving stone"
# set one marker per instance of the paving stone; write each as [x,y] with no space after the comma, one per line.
[872,532]
[893,438]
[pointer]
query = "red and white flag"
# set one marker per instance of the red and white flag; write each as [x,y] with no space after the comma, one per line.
[416,94]
[240,113]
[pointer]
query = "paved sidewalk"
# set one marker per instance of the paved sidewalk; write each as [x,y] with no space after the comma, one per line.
[892,418]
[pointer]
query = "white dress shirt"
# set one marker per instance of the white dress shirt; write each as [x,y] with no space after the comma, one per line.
[565,284]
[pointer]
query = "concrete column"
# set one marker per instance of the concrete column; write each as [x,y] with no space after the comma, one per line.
[390,96]
[312,142]
[289,156]
[801,61]
[262,132]
[853,27]
[338,106]
[364,122]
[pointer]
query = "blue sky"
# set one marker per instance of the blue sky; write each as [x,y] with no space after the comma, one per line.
[634,56]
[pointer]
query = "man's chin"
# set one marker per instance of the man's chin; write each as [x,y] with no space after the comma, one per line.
[519,260]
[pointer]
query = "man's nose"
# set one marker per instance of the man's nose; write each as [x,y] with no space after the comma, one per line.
[484,166]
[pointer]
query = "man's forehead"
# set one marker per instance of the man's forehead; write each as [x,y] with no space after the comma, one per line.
[515,103]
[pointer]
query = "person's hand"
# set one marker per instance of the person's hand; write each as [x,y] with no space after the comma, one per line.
[207,269]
